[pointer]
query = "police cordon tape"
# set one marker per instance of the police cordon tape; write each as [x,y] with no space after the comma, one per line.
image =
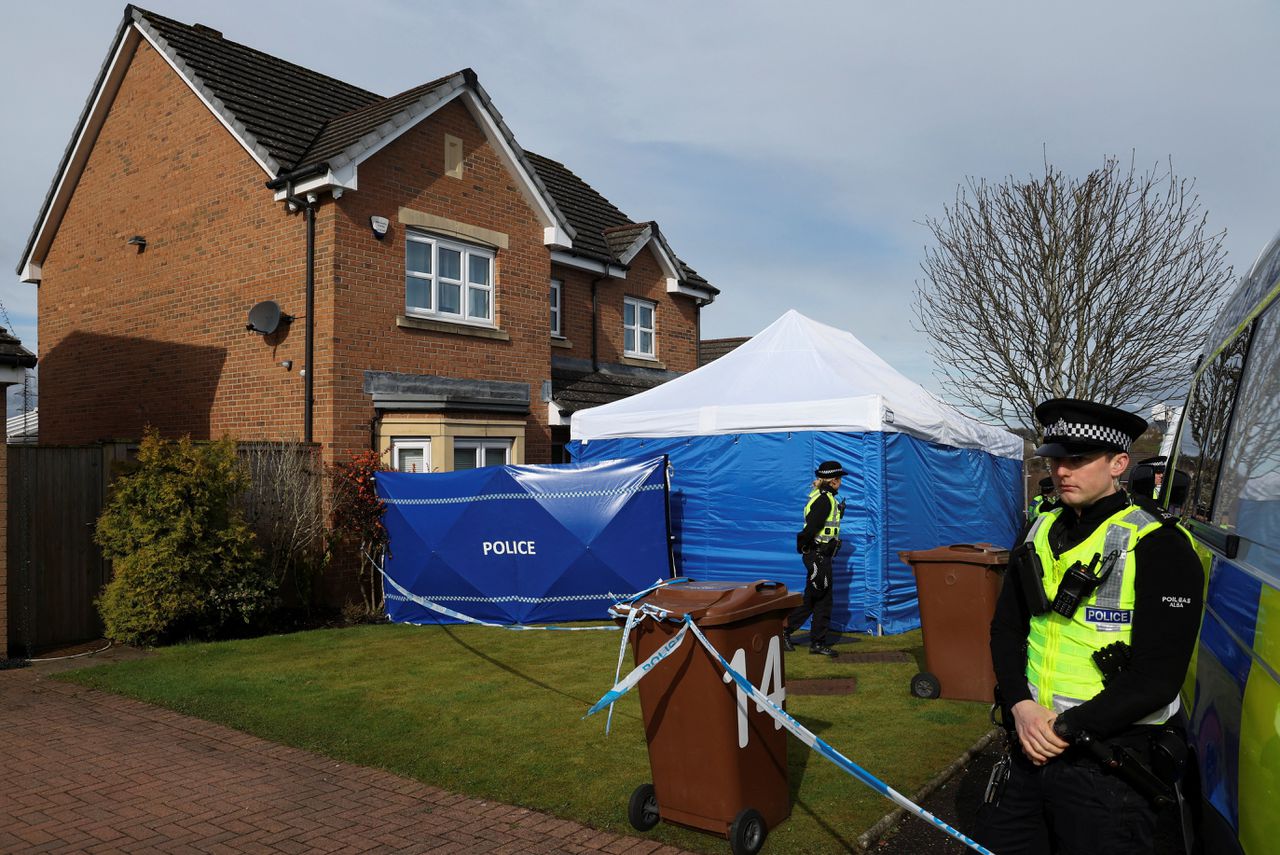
[765,704]
[448,612]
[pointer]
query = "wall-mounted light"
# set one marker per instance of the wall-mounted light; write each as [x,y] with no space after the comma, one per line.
[380,226]
[139,241]
[287,365]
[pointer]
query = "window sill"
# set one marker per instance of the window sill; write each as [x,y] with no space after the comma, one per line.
[406,322]
[560,341]
[642,362]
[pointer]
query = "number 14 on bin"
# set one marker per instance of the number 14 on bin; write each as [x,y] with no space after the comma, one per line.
[770,683]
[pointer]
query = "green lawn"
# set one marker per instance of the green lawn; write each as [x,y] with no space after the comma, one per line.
[498,715]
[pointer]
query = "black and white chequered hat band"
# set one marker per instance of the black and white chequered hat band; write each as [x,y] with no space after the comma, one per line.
[1063,429]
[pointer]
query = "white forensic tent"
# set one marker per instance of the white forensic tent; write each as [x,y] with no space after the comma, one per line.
[745,432]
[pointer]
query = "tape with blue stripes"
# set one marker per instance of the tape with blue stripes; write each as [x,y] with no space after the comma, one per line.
[799,731]
[444,610]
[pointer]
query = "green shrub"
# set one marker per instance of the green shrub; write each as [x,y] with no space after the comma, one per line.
[186,563]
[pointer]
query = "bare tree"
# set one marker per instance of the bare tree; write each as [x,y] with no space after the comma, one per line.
[284,506]
[1054,286]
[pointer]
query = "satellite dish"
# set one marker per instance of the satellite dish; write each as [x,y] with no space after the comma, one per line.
[266,317]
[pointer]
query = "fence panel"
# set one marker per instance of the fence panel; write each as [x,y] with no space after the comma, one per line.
[55,568]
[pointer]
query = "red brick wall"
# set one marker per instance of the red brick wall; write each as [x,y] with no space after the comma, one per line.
[675,321]
[129,339]
[368,276]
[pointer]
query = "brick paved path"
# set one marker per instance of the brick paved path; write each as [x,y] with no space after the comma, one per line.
[85,771]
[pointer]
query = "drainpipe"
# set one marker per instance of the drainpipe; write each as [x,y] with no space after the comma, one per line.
[308,379]
[286,182]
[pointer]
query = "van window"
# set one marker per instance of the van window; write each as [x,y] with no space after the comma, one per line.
[1208,417]
[1248,495]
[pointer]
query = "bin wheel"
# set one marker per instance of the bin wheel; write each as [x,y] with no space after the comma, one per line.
[925,685]
[643,809]
[747,833]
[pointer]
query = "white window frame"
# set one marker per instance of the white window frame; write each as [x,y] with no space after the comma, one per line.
[464,283]
[637,328]
[557,308]
[486,443]
[411,443]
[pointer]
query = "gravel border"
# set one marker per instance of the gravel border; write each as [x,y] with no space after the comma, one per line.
[873,834]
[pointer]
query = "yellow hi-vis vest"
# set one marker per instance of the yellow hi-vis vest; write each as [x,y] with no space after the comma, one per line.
[1034,508]
[830,531]
[1061,672]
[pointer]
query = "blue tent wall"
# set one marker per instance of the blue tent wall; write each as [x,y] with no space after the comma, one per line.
[737,502]
[937,496]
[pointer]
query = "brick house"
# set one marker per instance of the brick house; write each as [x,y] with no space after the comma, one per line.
[461,297]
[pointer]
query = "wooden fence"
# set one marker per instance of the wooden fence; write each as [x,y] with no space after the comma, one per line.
[56,494]
[55,568]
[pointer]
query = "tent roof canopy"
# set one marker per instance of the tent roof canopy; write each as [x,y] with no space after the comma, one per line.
[795,375]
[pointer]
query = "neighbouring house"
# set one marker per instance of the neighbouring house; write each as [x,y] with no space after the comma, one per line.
[711,349]
[411,278]
[22,429]
[14,362]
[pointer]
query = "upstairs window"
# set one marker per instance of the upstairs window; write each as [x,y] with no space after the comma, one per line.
[638,331]
[447,279]
[557,292]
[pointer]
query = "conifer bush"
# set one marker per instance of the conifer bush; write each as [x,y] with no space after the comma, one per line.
[186,562]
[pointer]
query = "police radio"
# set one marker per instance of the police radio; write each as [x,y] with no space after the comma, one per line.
[1079,583]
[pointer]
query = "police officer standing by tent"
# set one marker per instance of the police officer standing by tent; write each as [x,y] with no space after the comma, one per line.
[818,543]
[1091,638]
[1044,502]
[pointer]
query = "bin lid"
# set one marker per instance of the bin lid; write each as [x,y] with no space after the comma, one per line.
[959,553]
[712,603]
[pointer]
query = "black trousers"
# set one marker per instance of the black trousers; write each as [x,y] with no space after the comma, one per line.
[1066,807]
[817,598]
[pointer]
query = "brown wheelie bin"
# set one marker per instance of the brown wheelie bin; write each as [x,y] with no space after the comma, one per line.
[958,586]
[719,764]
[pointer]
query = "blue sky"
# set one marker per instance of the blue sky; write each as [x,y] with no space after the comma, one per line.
[790,152]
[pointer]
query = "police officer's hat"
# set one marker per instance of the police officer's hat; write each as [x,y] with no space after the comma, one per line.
[829,469]
[1072,427]
[1046,484]
[1156,463]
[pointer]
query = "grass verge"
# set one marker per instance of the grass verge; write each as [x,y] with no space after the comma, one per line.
[498,715]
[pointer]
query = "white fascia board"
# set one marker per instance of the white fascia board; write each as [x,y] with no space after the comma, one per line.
[219,110]
[674,286]
[610,270]
[637,245]
[335,181]
[666,260]
[557,237]
[80,150]
[12,375]
[554,419]
[528,188]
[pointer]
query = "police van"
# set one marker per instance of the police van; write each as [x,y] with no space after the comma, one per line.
[1228,443]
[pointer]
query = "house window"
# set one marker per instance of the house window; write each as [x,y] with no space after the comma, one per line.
[474,453]
[411,454]
[638,332]
[448,279]
[557,290]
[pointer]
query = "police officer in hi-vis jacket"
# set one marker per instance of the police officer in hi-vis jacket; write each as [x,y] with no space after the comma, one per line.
[818,543]
[1092,635]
